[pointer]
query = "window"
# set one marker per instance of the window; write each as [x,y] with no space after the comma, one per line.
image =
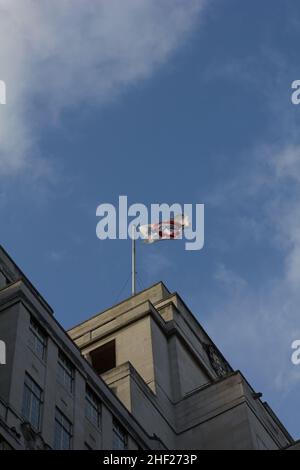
[37,339]
[63,432]
[32,402]
[104,357]
[65,372]
[92,407]
[119,437]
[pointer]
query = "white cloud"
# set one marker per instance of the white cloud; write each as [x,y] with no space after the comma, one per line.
[55,54]
[256,323]
[229,279]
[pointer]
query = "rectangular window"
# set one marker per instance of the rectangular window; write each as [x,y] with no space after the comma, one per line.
[65,372]
[92,407]
[63,432]
[37,339]
[32,402]
[119,437]
[104,357]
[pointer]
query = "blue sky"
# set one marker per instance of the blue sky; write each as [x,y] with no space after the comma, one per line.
[169,101]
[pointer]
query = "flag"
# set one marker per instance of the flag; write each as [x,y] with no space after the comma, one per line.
[169,230]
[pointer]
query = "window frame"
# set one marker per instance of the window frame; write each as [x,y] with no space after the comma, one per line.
[63,425]
[37,336]
[34,392]
[94,403]
[65,368]
[121,434]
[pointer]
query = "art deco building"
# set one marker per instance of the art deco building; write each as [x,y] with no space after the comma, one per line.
[141,375]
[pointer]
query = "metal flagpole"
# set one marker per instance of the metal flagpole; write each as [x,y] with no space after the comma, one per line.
[133,263]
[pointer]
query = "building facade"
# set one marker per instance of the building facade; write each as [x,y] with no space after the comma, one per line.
[141,375]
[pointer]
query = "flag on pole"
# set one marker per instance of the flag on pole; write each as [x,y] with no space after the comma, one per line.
[169,230]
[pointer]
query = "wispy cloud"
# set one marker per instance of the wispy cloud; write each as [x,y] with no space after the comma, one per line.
[58,54]
[229,279]
[260,322]
[155,264]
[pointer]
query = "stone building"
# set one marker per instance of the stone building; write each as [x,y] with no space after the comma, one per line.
[141,375]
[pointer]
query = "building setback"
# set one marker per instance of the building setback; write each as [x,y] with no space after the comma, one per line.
[141,375]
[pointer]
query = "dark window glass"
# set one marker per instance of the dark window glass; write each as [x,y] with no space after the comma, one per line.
[37,339]
[119,437]
[92,407]
[32,402]
[65,372]
[63,432]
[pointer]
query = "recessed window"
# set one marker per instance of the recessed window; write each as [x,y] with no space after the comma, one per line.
[65,372]
[104,357]
[63,431]
[32,402]
[120,438]
[37,339]
[92,407]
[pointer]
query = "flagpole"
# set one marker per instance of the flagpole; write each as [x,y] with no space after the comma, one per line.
[133,263]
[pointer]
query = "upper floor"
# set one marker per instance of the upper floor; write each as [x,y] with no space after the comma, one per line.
[142,374]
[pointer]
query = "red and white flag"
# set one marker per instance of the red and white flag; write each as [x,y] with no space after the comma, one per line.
[169,230]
